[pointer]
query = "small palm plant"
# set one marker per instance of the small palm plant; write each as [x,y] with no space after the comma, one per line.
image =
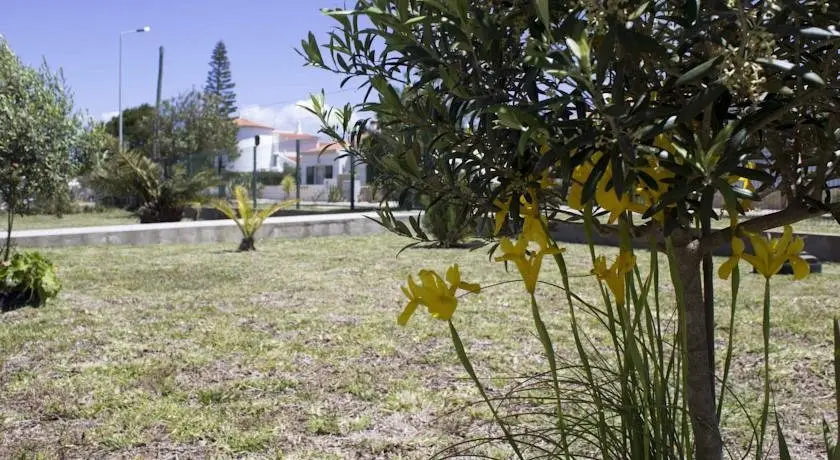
[288,184]
[247,218]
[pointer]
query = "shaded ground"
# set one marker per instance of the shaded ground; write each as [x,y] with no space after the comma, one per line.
[294,352]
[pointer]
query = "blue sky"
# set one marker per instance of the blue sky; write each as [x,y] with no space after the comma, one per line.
[82,37]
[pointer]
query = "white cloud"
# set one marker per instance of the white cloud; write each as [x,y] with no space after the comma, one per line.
[108,115]
[284,117]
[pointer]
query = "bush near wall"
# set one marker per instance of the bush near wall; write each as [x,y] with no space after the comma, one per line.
[263,177]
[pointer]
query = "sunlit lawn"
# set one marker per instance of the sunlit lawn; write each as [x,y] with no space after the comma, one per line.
[294,352]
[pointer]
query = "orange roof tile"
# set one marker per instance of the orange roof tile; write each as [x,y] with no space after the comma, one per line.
[293,136]
[245,123]
[331,147]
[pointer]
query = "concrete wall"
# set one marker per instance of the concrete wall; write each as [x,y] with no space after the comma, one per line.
[215,231]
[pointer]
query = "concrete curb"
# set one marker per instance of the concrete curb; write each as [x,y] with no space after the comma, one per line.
[195,232]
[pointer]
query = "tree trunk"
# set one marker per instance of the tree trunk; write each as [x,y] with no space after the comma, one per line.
[8,247]
[699,383]
[247,244]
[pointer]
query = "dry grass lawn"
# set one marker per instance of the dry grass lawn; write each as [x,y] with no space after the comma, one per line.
[294,352]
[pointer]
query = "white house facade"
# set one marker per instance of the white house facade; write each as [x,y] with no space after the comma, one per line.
[322,165]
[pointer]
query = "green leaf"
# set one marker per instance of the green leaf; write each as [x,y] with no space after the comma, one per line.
[400,227]
[700,102]
[699,71]
[784,453]
[819,32]
[542,10]
[691,9]
[752,174]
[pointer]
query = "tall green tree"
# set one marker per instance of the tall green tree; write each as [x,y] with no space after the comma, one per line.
[219,80]
[637,114]
[37,129]
[138,127]
[193,131]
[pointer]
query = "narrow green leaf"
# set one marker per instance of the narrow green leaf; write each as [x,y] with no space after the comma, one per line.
[542,10]
[700,101]
[699,71]
[784,453]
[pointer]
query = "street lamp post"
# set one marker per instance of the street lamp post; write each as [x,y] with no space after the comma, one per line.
[141,30]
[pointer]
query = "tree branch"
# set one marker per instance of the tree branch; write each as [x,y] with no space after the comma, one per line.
[787,216]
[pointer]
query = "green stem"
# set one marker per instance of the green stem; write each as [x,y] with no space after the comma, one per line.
[465,361]
[736,281]
[10,219]
[682,330]
[765,408]
[596,394]
[552,364]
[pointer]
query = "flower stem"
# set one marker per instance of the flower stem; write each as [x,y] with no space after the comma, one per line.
[765,408]
[552,364]
[465,361]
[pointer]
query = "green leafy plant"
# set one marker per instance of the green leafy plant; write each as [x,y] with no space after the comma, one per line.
[247,218]
[336,194]
[27,278]
[161,199]
[449,223]
[288,183]
[621,118]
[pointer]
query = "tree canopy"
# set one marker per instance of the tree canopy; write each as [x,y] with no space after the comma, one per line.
[220,81]
[38,128]
[636,114]
[138,127]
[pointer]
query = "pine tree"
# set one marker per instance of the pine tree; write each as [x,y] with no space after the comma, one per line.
[219,81]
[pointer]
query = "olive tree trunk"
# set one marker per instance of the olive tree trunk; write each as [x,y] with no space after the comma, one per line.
[700,390]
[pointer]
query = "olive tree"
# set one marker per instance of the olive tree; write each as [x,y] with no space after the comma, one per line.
[630,117]
[37,129]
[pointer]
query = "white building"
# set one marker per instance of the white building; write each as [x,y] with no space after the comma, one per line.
[322,165]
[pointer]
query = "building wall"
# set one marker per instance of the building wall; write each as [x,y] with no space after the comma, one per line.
[245,144]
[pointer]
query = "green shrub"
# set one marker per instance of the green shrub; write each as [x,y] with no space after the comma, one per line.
[30,274]
[132,174]
[336,194]
[449,223]
[288,184]
[271,178]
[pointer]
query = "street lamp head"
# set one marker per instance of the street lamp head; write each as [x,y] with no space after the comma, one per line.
[144,29]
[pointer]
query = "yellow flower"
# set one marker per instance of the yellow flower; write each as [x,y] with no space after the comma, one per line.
[501,214]
[747,185]
[737,252]
[771,254]
[579,176]
[533,230]
[647,195]
[433,292]
[614,275]
[609,200]
[527,262]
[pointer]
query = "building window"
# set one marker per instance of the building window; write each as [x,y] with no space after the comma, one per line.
[274,160]
[315,175]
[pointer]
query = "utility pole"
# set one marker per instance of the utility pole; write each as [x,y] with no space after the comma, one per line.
[297,173]
[156,144]
[254,175]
